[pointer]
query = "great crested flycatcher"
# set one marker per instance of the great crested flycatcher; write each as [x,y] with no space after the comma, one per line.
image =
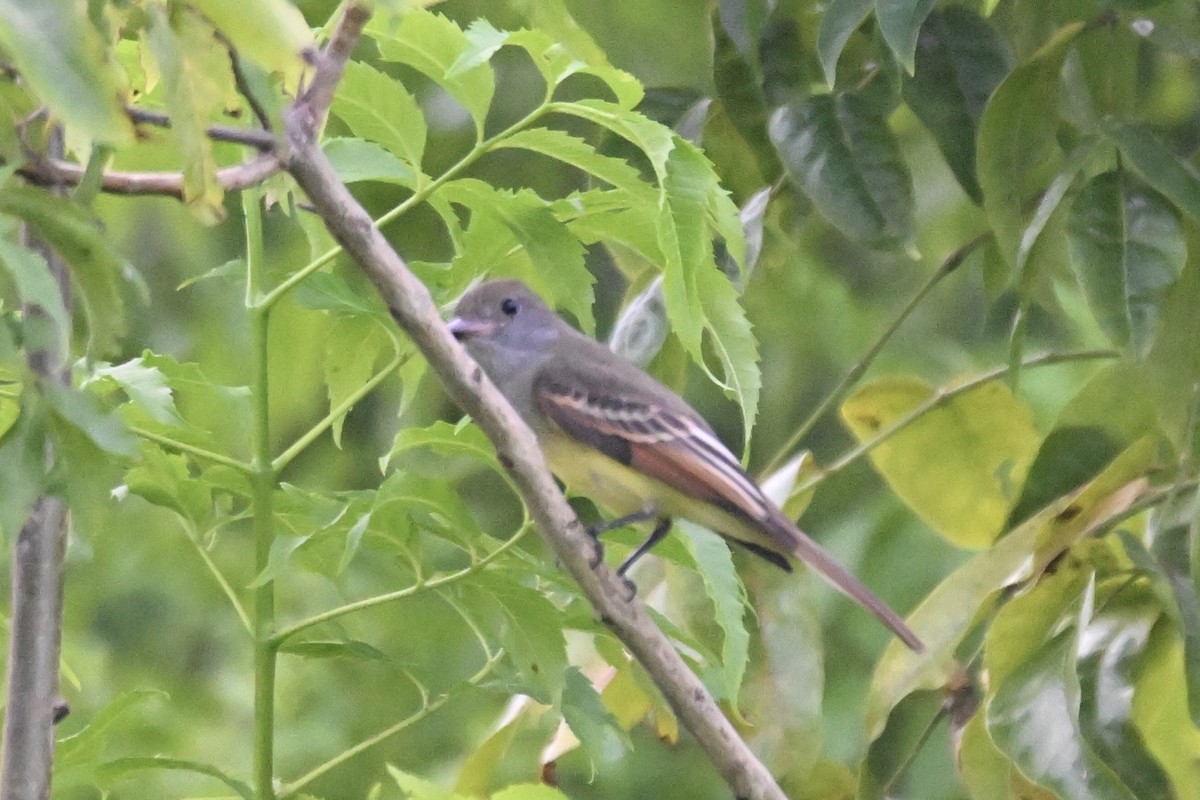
[616,435]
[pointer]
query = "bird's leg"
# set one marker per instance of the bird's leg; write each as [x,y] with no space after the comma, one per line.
[660,530]
[601,528]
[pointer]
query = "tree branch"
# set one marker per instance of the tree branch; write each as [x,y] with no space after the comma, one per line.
[413,309]
[35,639]
[57,172]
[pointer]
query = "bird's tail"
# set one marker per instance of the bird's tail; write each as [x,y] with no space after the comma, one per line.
[812,554]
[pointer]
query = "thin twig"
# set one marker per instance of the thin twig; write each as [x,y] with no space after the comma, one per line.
[251,137]
[58,172]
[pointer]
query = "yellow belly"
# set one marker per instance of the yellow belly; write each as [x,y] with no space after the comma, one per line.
[621,491]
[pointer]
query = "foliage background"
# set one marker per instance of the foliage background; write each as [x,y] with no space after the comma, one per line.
[143,613]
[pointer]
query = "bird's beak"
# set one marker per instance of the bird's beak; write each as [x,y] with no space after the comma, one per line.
[463,329]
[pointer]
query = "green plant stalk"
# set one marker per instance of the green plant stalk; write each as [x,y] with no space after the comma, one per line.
[289,789]
[859,368]
[262,504]
[940,397]
[219,577]
[409,591]
[192,450]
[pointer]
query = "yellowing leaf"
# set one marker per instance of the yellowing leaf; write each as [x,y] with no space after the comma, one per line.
[959,465]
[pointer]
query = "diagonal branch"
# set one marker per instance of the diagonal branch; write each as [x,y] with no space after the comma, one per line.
[413,309]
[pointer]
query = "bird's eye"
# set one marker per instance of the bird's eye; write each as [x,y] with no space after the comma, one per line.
[510,306]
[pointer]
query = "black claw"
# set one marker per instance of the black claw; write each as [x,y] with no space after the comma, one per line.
[630,589]
[597,554]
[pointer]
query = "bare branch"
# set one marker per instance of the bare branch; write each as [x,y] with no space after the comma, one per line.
[57,172]
[251,137]
[35,639]
[413,308]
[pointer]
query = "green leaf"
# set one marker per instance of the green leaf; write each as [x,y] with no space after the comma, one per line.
[529,791]
[889,756]
[95,266]
[39,293]
[838,150]
[197,78]
[22,465]
[531,632]
[1170,175]
[57,50]
[1016,139]
[840,20]
[1127,248]
[1068,458]
[900,22]
[1160,717]
[415,788]
[86,748]
[1033,718]
[728,596]
[83,411]
[164,479]
[112,771]
[960,60]
[1109,656]
[348,649]
[593,724]
[272,32]
[946,614]
[956,466]
[1174,360]
[486,759]
[352,348]
[578,153]
[359,160]
[343,293]
[376,106]
[145,386]
[740,91]
[433,45]
[445,439]
[557,269]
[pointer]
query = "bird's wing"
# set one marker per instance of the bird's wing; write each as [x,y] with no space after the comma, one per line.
[668,444]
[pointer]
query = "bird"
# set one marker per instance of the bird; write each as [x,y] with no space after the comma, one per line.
[614,434]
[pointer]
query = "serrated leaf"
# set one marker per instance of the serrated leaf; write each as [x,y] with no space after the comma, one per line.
[145,386]
[958,466]
[443,438]
[728,597]
[1170,175]
[578,153]
[741,93]
[38,289]
[349,295]
[377,107]
[83,411]
[557,269]
[840,20]
[197,79]
[900,23]
[78,238]
[433,45]
[1016,139]
[352,346]
[960,60]
[272,32]
[1127,248]
[22,465]
[234,270]
[359,160]
[57,50]
[593,724]
[838,150]
[532,636]
[415,788]
[165,480]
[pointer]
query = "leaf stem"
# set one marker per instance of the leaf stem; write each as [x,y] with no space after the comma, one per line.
[940,397]
[421,585]
[342,408]
[219,576]
[198,452]
[859,368]
[289,789]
